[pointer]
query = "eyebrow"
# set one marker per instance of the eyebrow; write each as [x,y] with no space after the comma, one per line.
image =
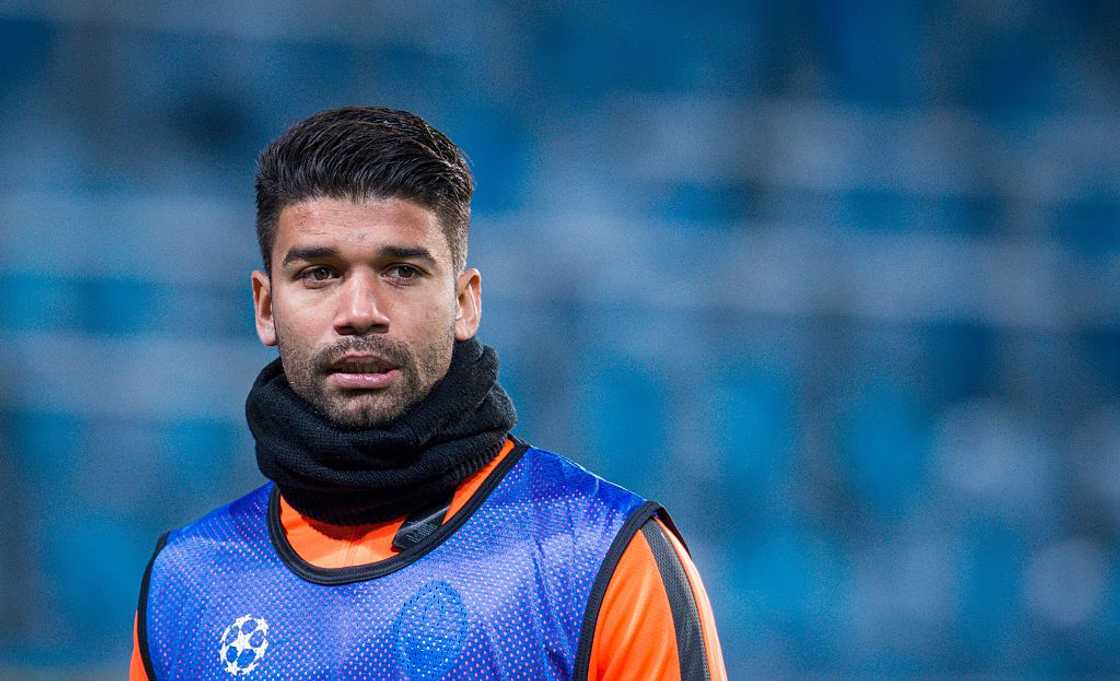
[297,253]
[308,253]
[408,253]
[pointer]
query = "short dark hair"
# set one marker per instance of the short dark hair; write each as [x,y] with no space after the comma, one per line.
[365,153]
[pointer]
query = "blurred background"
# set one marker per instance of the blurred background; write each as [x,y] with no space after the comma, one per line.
[836,282]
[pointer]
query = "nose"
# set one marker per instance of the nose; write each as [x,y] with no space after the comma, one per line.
[358,309]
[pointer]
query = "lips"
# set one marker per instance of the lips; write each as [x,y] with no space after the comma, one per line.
[363,372]
[361,364]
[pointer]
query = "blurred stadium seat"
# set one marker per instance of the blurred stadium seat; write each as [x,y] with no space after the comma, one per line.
[837,283]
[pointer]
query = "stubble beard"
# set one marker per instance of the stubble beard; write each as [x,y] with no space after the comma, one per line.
[307,372]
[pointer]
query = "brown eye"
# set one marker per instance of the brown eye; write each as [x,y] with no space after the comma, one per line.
[318,273]
[403,272]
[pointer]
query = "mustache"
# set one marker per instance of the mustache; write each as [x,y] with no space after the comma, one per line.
[395,352]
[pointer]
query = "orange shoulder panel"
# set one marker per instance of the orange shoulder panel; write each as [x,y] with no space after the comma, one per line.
[136,671]
[635,637]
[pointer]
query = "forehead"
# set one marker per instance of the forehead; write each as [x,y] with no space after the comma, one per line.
[356,225]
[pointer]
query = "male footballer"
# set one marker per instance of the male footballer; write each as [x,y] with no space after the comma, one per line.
[404,532]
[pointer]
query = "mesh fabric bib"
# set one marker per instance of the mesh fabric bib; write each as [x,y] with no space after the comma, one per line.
[507,589]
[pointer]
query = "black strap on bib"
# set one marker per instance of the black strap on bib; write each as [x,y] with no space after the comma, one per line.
[420,525]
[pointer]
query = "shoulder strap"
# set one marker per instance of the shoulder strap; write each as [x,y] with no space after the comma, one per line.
[142,610]
[599,588]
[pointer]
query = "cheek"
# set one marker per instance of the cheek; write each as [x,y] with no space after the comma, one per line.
[298,321]
[423,324]
[435,310]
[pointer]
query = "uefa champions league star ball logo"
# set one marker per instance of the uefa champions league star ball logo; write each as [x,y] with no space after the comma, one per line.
[243,644]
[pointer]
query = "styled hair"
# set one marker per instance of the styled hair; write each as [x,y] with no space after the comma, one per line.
[362,153]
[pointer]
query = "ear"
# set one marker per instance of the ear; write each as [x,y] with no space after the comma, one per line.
[262,307]
[468,299]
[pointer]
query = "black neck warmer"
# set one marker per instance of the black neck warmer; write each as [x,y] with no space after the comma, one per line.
[346,476]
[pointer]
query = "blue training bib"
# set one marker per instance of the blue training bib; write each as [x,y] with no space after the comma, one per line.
[507,589]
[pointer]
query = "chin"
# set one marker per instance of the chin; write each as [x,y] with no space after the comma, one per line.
[364,416]
[359,421]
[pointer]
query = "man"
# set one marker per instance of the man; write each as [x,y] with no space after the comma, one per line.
[404,533]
